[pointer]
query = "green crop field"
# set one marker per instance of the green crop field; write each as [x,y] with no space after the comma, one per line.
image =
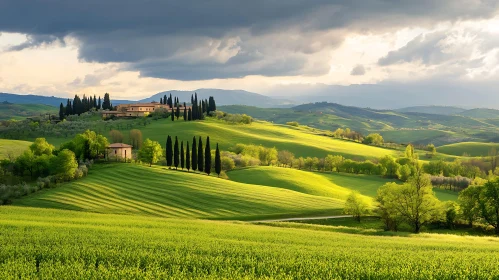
[157,191]
[12,147]
[337,185]
[60,244]
[474,149]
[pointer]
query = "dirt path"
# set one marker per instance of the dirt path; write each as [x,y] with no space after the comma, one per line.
[302,219]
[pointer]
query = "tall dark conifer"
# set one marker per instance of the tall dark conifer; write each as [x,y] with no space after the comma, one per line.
[182,155]
[185,112]
[173,115]
[169,151]
[187,157]
[99,105]
[194,157]
[106,105]
[161,100]
[218,162]
[176,154]
[177,112]
[207,156]
[200,155]
[189,115]
[61,112]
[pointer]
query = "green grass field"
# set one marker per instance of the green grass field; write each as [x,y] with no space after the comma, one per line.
[157,191]
[474,149]
[12,147]
[60,244]
[21,111]
[336,185]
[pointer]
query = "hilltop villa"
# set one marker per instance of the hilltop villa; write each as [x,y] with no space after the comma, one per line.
[137,109]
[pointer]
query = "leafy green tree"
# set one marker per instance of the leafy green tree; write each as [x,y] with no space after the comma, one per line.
[207,156]
[391,219]
[218,162]
[187,157]
[135,136]
[176,153]
[414,202]
[150,152]
[451,211]
[432,151]
[489,203]
[200,155]
[41,147]
[42,164]
[194,158]
[409,152]
[333,162]
[169,151]
[374,139]
[404,172]
[96,145]
[27,161]
[182,155]
[356,206]
[390,166]
[469,202]
[116,136]
[64,165]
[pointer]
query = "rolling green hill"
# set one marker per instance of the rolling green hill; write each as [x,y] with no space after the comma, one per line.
[481,113]
[157,191]
[12,147]
[60,244]
[436,110]
[337,185]
[417,127]
[10,111]
[475,149]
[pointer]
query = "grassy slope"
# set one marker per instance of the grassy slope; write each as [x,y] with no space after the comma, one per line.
[77,245]
[325,184]
[15,147]
[136,189]
[475,149]
[299,141]
[21,111]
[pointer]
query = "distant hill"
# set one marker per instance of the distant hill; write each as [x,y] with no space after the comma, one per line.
[437,110]
[225,97]
[46,100]
[20,111]
[481,113]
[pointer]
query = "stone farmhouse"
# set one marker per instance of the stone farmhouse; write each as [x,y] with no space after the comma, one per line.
[138,109]
[119,151]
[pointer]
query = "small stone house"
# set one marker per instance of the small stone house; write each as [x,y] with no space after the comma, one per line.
[119,151]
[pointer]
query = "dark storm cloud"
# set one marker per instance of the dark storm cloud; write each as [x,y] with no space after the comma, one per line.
[190,40]
[358,70]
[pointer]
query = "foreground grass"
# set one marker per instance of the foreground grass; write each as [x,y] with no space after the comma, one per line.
[157,191]
[48,243]
[337,185]
[474,149]
[12,147]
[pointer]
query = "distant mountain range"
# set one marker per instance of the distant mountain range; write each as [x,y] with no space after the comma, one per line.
[222,97]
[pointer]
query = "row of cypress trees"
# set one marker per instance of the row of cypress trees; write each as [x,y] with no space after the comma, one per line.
[81,105]
[193,157]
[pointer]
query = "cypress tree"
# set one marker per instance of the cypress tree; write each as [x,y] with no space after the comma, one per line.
[185,112]
[164,99]
[194,157]
[99,105]
[200,155]
[218,162]
[177,113]
[61,112]
[169,151]
[95,102]
[107,102]
[189,115]
[173,115]
[68,108]
[187,157]
[176,153]
[201,116]
[170,101]
[161,100]
[182,155]
[207,156]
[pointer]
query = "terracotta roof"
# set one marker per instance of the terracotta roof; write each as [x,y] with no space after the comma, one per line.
[119,145]
[143,104]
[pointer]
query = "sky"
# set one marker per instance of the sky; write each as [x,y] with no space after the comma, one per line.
[134,49]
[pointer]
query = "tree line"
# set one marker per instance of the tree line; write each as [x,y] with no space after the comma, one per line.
[191,157]
[197,111]
[81,105]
